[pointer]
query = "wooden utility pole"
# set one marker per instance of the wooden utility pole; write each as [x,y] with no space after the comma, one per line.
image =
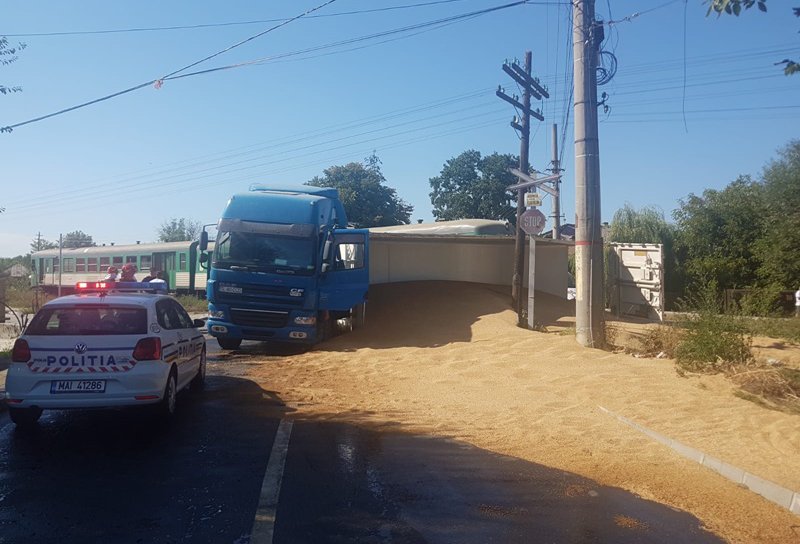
[557,186]
[589,300]
[531,88]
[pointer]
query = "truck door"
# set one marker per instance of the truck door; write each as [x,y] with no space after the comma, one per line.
[346,281]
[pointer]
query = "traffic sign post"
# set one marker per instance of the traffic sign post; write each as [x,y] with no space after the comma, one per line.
[532,221]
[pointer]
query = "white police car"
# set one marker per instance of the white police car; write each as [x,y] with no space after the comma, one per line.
[108,345]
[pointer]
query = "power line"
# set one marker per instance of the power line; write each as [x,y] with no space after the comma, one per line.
[252,22]
[176,75]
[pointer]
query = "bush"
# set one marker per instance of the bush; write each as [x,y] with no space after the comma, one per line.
[712,341]
[662,339]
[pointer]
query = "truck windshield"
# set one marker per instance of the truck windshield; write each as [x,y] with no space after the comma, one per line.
[264,253]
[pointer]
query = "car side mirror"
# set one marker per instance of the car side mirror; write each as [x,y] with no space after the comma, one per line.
[203,240]
[199,323]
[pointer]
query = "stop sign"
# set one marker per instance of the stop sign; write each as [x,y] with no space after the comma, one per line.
[532,221]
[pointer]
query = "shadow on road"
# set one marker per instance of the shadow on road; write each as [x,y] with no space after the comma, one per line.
[117,476]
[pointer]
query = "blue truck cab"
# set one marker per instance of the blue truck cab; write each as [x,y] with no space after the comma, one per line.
[285,267]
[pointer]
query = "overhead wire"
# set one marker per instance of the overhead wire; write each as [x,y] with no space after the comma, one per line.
[176,74]
[251,22]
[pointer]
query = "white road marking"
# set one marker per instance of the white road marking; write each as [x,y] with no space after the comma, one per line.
[264,523]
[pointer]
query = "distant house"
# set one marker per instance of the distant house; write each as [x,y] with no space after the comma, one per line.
[18,271]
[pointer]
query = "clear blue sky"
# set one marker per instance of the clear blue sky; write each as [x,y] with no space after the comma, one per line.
[118,169]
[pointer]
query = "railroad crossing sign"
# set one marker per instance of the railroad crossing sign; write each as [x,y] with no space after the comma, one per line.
[533,199]
[532,221]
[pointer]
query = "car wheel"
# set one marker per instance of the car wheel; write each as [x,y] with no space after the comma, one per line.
[166,408]
[229,343]
[25,417]
[199,381]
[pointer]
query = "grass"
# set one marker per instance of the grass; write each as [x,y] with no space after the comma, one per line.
[784,328]
[192,303]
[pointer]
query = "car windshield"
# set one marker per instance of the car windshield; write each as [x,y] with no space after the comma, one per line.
[88,320]
[264,253]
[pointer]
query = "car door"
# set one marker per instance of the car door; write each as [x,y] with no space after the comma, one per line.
[193,340]
[170,335]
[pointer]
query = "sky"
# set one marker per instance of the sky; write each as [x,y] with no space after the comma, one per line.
[695,102]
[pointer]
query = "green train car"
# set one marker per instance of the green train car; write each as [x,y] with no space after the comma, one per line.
[180,262]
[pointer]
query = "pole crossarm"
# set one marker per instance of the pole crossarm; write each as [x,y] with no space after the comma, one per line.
[529,81]
[533,113]
[521,80]
[528,182]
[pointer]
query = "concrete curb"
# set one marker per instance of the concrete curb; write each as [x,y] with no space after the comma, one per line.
[769,490]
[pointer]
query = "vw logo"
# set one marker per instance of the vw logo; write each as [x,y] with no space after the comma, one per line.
[80,348]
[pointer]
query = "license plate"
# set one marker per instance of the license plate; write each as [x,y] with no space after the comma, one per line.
[78,386]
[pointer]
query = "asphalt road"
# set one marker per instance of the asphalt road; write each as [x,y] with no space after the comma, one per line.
[115,476]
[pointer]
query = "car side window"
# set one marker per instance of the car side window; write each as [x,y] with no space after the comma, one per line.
[166,315]
[180,312]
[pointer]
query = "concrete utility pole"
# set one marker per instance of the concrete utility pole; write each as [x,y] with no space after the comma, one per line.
[557,186]
[589,303]
[531,88]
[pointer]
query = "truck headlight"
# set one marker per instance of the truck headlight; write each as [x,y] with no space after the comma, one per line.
[218,314]
[305,320]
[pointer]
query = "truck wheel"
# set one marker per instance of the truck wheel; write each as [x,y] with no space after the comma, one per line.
[358,316]
[229,343]
[25,417]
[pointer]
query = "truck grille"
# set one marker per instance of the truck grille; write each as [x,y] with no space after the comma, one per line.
[259,318]
[261,294]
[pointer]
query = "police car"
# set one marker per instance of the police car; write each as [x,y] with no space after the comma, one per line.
[110,344]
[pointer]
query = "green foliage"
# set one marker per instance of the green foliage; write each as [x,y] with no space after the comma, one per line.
[179,230]
[193,304]
[712,341]
[717,234]
[778,248]
[474,187]
[367,201]
[8,55]
[644,226]
[761,301]
[77,238]
[39,244]
[734,7]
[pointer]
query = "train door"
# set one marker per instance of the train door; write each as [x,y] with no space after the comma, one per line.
[165,262]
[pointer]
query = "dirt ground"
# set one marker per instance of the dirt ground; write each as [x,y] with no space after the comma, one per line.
[446,359]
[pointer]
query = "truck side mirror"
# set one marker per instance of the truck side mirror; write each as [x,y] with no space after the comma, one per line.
[325,267]
[203,242]
[204,261]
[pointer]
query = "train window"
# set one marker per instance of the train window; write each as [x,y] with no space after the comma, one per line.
[117,261]
[55,264]
[104,262]
[80,264]
[91,264]
[69,265]
[146,260]
[182,262]
[130,259]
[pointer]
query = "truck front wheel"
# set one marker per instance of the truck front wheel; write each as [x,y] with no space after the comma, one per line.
[229,343]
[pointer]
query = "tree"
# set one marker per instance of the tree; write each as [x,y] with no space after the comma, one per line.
[718,232]
[179,230]
[644,226]
[77,238]
[778,249]
[8,55]
[734,7]
[367,201]
[39,244]
[474,187]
